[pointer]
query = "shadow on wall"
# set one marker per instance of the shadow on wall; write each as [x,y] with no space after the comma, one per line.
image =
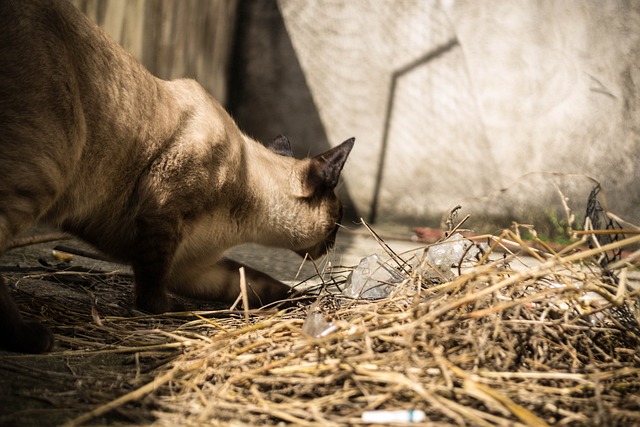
[268,92]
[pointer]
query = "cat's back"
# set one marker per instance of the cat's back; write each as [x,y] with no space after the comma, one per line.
[38,91]
[66,87]
[36,30]
[67,95]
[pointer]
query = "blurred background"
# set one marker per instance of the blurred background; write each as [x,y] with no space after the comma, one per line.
[513,109]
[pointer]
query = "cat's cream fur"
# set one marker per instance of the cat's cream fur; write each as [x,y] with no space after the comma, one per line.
[154,173]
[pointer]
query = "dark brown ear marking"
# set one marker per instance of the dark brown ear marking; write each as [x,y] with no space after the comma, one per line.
[329,164]
[280,145]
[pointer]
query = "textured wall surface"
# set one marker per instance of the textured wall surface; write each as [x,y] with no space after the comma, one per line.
[557,90]
[393,75]
[498,106]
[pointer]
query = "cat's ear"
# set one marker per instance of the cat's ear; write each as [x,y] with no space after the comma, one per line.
[280,145]
[326,167]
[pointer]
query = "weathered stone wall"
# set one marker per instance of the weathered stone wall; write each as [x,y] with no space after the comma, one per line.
[453,101]
[556,84]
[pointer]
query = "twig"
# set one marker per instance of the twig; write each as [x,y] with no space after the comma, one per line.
[610,231]
[401,263]
[37,239]
[133,395]
[245,296]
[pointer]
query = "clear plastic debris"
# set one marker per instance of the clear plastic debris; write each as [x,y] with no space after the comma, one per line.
[453,251]
[371,279]
[315,324]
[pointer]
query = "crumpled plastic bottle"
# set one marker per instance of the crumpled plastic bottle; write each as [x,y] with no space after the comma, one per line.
[453,251]
[371,279]
[315,324]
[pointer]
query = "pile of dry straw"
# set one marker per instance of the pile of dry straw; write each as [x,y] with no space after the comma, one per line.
[518,337]
[546,339]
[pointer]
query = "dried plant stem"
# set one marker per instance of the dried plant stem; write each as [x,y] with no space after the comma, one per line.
[37,239]
[245,296]
[133,395]
[611,231]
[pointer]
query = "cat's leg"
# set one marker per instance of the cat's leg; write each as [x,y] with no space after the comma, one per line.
[221,282]
[154,250]
[262,289]
[17,334]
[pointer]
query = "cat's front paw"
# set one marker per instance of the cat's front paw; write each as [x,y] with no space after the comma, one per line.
[38,338]
[158,305]
[32,337]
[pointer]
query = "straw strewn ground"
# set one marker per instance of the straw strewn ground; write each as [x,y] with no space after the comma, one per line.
[546,340]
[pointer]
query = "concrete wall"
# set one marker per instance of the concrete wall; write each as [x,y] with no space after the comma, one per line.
[557,90]
[269,92]
[498,106]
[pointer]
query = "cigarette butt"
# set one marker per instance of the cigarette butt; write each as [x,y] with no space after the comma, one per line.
[400,416]
[61,256]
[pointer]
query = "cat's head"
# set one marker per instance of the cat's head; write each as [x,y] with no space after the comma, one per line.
[315,211]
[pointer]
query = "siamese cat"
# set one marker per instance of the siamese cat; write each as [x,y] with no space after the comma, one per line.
[153,173]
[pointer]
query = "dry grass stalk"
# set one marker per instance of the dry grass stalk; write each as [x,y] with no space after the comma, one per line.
[37,238]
